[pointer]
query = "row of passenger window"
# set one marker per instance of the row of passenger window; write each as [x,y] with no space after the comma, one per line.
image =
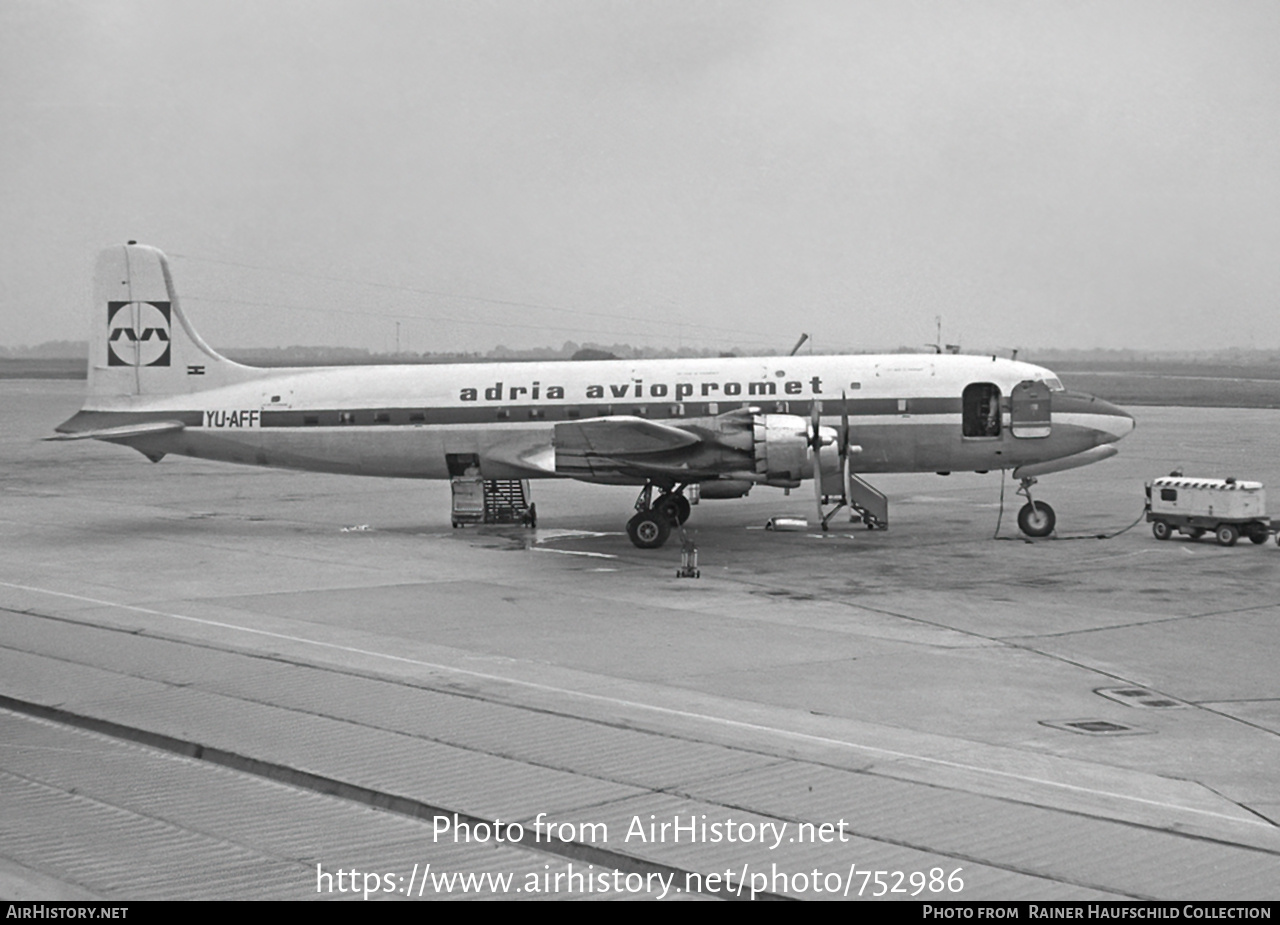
[449,415]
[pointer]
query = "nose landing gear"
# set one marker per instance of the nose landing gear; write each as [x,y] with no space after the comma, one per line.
[1036,519]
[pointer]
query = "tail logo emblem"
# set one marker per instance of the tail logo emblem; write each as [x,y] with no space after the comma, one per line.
[138,336]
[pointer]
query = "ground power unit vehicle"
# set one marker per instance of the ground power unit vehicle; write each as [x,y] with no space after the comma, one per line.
[1227,508]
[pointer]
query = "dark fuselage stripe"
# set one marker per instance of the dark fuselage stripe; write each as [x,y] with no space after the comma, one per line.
[491,413]
[495,412]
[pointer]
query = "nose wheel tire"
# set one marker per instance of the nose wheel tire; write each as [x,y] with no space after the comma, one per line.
[1036,519]
[649,529]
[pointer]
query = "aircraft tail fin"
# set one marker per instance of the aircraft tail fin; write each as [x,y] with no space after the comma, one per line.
[140,341]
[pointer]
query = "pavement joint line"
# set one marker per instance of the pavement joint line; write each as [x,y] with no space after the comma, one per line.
[1239,700]
[677,791]
[1152,622]
[1192,703]
[352,672]
[419,810]
[367,796]
[1029,646]
[1243,806]
[668,711]
[974,859]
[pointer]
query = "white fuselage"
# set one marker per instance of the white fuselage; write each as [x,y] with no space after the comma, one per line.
[905,411]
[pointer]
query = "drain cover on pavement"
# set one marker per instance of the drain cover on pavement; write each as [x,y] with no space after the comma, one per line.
[1139,697]
[1095,727]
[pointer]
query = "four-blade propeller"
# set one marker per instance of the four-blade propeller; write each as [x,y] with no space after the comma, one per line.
[819,437]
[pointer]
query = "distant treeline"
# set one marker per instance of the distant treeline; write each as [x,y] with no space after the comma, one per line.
[1121,360]
[1111,360]
[49,350]
[345,356]
[1232,378]
[354,356]
[1241,387]
[42,368]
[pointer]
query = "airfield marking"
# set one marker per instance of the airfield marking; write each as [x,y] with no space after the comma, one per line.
[1112,558]
[545,535]
[685,714]
[574,552]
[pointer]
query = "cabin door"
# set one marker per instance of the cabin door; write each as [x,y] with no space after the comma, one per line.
[1029,411]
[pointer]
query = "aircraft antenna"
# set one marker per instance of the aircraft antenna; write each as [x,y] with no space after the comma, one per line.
[799,344]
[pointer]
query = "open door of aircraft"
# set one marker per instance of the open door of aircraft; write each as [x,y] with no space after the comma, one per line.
[1031,410]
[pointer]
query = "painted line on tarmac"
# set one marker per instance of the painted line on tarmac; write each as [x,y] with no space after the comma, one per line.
[667,711]
[575,552]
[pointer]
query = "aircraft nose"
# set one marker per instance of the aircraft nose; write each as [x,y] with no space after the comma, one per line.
[1116,421]
[1106,422]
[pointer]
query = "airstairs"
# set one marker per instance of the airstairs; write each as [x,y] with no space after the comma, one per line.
[869,503]
[492,501]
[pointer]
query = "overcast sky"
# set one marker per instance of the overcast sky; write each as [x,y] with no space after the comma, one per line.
[1039,174]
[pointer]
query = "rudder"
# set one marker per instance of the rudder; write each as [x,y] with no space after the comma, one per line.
[141,342]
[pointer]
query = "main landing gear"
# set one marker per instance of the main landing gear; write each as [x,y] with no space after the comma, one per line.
[654,518]
[1036,518]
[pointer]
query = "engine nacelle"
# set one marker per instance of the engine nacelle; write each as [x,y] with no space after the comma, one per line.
[781,446]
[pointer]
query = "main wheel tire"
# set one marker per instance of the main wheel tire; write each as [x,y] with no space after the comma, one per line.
[1161,530]
[649,529]
[1036,519]
[1227,535]
[674,507]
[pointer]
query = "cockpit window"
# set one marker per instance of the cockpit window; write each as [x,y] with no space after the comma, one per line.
[1054,384]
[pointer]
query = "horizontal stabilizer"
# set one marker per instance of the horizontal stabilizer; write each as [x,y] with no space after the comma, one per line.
[124,432]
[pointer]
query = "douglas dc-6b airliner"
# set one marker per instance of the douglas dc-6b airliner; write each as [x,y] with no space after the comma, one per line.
[724,425]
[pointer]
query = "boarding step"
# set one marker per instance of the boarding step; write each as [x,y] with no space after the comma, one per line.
[505,500]
[492,501]
[869,502]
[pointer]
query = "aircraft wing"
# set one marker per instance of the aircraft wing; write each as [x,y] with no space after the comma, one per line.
[622,435]
[124,432]
[601,446]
